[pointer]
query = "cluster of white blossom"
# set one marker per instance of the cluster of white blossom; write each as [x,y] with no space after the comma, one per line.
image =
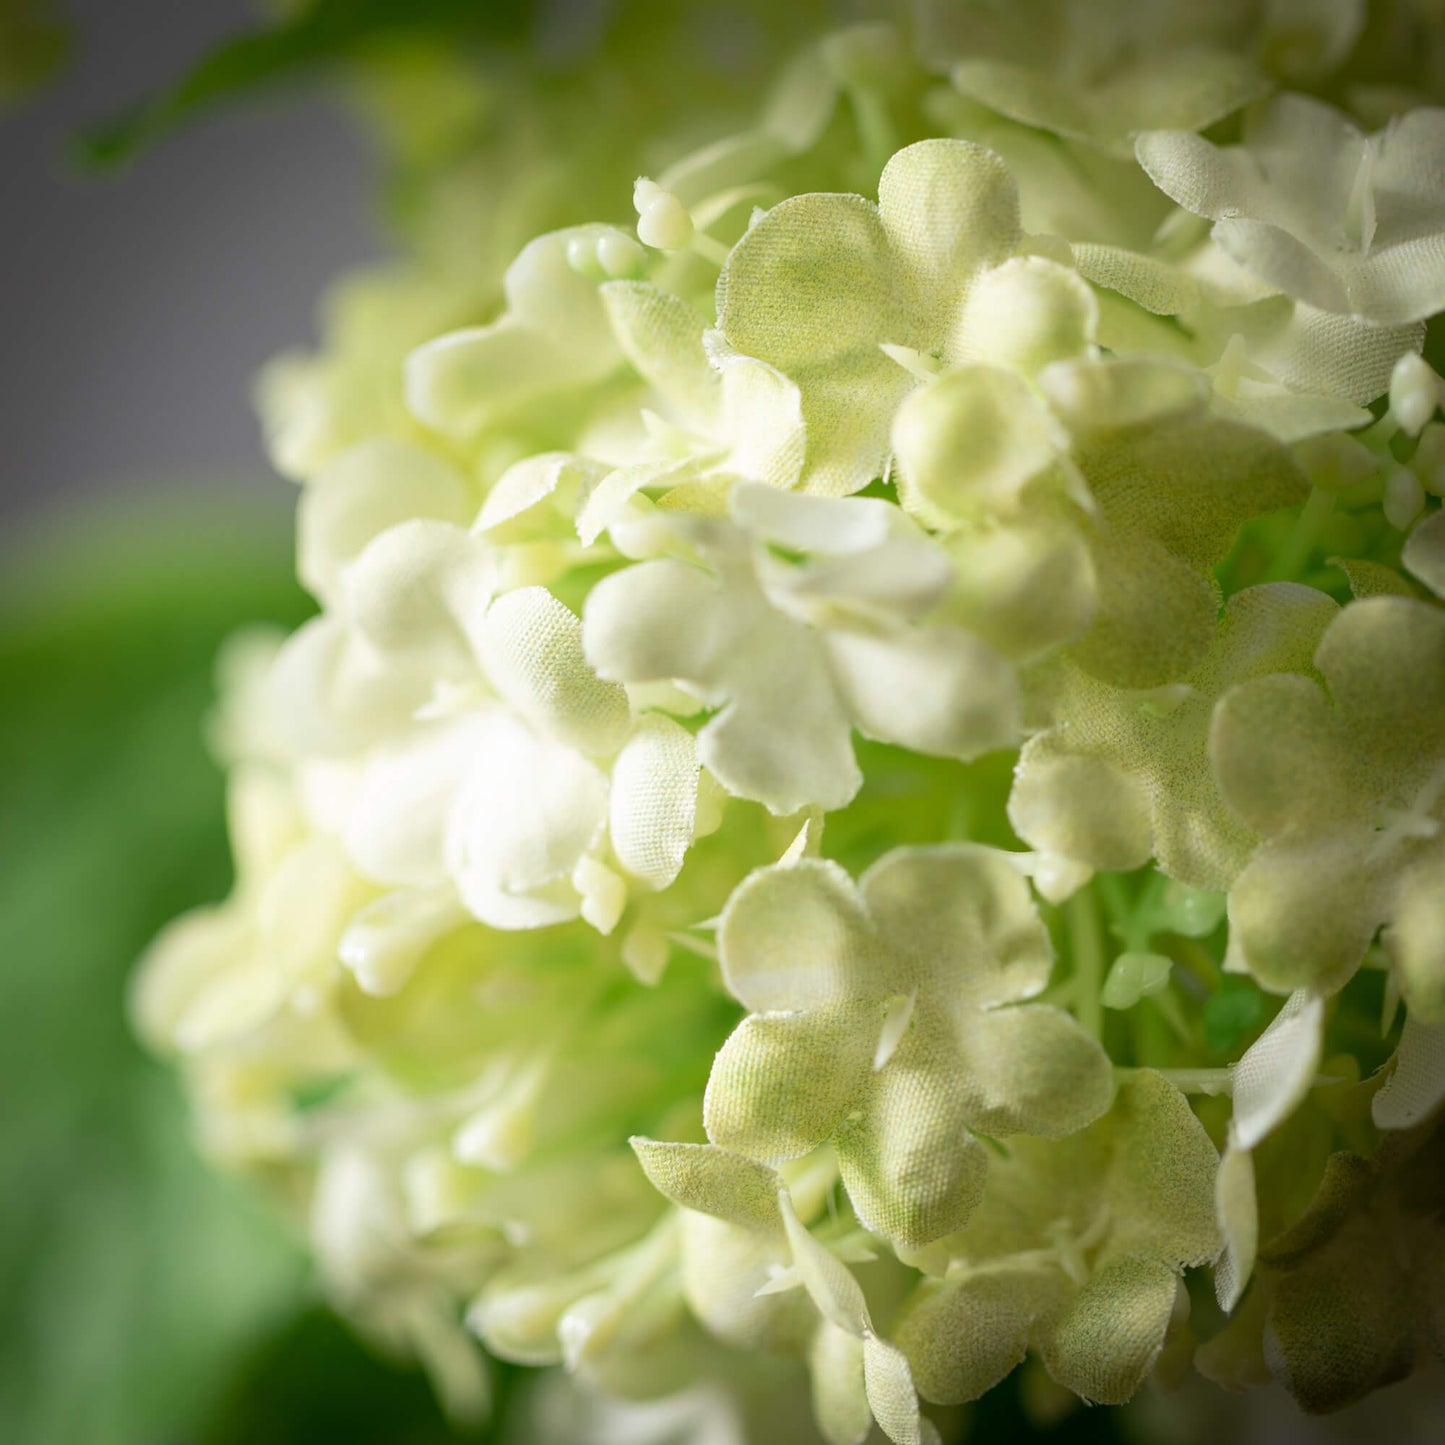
[868,786]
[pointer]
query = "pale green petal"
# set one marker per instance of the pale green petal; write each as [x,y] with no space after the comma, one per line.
[1372,579]
[361,493]
[1346,223]
[1414,937]
[1278,1069]
[1383,660]
[1161,1182]
[1121,773]
[938,691]
[1033,1070]
[331,694]
[783,736]
[1424,552]
[1192,484]
[828,1281]
[796,936]
[412,590]
[951,209]
[652,805]
[713,1181]
[532,480]
[762,421]
[1285,262]
[808,284]
[396,827]
[1302,913]
[1025,313]
[1025,588]
[1154,613]
[1193,89]
[1161,288]
[782,1082]
[1197,174]
[847,410]
[1416,1086]
[812,289]
[965,1334]
[652,622]
[969,442]
[963,916]
[193,956]
[1237,1209]
[826,526]
[840,1401]
[891,1396]
[1280,755]
[661,335]
[1105,1345]
[530,646]
[1118,393]
[553,334]
[905,578]
[1290,416]
[911,1168]
[786,742]
[529,810]
[1318,351]
[1082,806]
[724,1266]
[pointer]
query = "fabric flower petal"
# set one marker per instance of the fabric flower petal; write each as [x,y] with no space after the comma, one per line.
[1107,1342]
[1034,1070]
[783,1081]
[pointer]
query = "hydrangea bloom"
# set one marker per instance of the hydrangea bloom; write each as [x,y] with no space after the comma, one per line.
[868,786]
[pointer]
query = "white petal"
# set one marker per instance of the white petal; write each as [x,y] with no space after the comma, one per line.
[1416,1088]
[1278,1069]
[528,812]
[531,648]
[937,690]
[397,829]
[653,806]
[362,492]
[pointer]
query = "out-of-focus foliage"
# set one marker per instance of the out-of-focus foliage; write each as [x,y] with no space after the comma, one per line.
[133,1277]
[34,43]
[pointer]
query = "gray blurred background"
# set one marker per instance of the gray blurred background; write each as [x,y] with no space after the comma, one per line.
[136,307]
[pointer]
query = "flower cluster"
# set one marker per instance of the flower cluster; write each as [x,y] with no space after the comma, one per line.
[868,785]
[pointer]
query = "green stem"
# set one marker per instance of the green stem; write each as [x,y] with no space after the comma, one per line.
[1300,543]
[1168,1006]
[1087,945]
[1117,903]
[1195,959]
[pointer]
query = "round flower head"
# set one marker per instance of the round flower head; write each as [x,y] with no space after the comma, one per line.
[866,796]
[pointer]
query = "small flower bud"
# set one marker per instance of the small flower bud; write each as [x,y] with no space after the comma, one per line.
[619,256]
[1415,393]
[1428,463]
[1404,498]
[663,221]
[582,255]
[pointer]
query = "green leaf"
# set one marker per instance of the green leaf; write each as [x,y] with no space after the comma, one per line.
[308,39]
[1230,1014]
[123,1256]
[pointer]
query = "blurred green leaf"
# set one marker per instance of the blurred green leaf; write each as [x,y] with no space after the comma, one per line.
[35,42]
[305,39]
[1230,1014]
[131,1274]
[313,1383]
